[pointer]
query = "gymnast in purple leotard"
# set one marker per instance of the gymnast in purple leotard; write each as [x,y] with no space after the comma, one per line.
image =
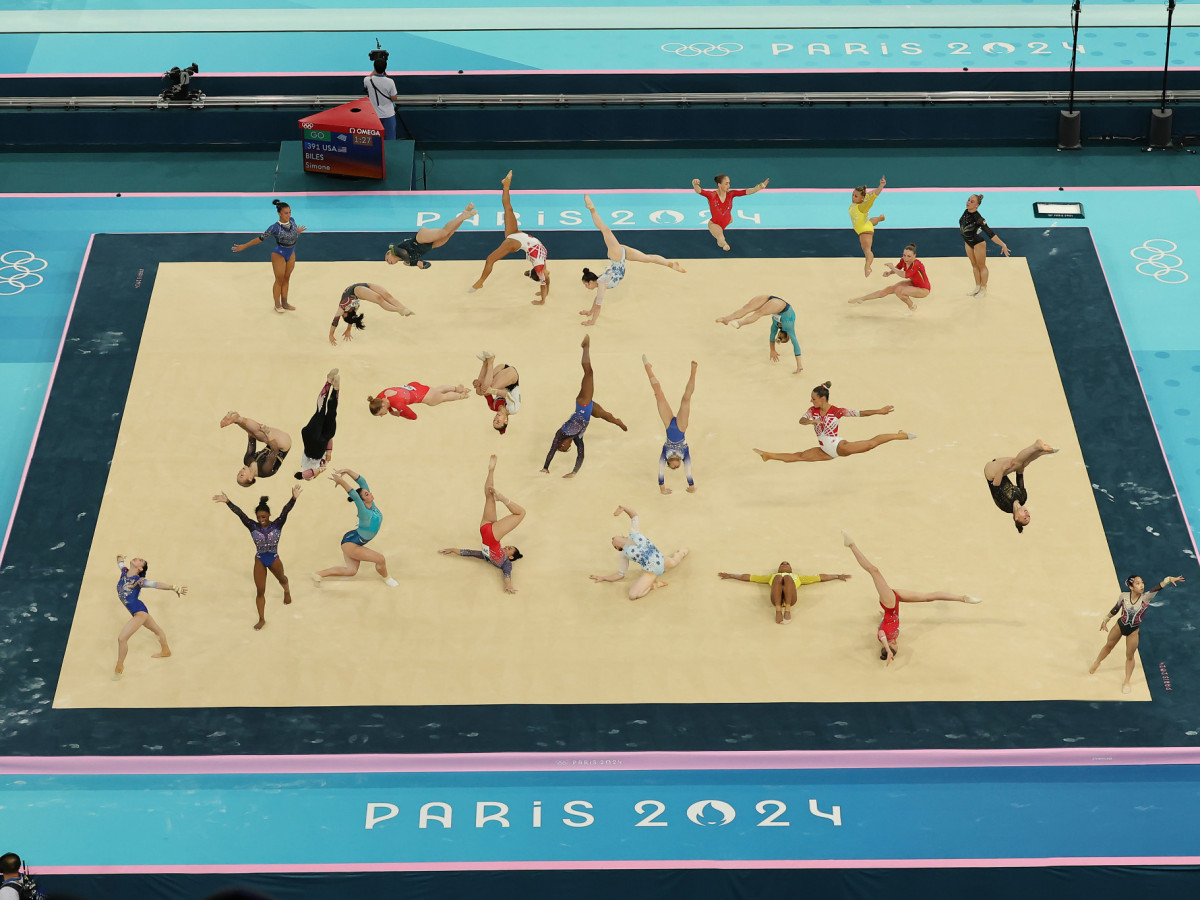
[266,534]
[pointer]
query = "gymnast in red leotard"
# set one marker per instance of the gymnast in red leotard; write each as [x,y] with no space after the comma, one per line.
[720,204]
[398,401]
[914,282]
[888,632]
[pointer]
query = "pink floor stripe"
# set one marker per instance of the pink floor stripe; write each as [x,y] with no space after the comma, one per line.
[45,401]
[526,865]
[552,191]
[713,71]
[579,762]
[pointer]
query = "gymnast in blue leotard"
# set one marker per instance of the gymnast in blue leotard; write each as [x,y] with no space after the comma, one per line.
[266,534]
[283,258]
[675,450]
[585,407]
[783,323]
[129,588]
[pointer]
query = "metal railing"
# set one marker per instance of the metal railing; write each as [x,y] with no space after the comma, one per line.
[910,98]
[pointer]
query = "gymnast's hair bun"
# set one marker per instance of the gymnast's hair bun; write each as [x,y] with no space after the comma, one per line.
[589,275]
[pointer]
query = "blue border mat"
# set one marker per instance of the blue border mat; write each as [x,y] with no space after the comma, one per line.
[1114,427]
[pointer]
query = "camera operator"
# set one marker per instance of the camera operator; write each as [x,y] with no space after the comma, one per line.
[10,871]
[381,91]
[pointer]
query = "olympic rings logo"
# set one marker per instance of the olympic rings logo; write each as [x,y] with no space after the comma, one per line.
[19,270]
[1158,260]
[702,49]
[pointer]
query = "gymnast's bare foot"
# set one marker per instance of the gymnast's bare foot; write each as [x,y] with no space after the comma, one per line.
[763,453]
[1044,447]
[587,201]
[787,614]
[258,626]
[230,418]
[492,460]
[288,306]
[586,342]
[506,180]
[468,211]
[677,267]
[163,653]
[779,615]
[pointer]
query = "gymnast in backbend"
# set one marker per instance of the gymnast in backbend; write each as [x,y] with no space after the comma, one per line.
[411,251]
[783,323]
[675,450]
[515,239]
[348,307]
[614,274]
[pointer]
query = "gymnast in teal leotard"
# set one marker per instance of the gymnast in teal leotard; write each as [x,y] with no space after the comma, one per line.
[783,323]
[354,542]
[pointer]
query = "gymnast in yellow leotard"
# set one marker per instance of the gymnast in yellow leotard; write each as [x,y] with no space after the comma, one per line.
[864,224]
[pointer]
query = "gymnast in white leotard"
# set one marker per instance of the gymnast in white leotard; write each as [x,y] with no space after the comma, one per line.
[517,240]
[618,254]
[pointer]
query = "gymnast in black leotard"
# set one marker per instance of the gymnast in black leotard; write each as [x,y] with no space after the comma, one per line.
[1011,498]
[411,251]
[969,225]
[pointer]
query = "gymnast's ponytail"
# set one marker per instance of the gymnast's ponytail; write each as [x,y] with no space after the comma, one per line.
[589,276]
[262,505]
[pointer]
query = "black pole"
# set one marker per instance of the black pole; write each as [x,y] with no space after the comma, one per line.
[1074,49]
[1069,125]
[1160,119]
[1167,58]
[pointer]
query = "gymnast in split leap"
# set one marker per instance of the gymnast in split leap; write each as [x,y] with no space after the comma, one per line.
[618,254]
[129,588]
[783,584]
[259,463]
[1130,610]
[675,450]
[514,240]
[493,530]
[783,323]
[825,419]
[411,251]
[1008,497]
[637,547]
[266,534]
[348,307]
[500,387]
[888,632]
[585,407]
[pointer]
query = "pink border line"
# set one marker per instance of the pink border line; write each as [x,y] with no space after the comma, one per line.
[12,517]
[568,191]
[591,762]
[552,72]
[518,865]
